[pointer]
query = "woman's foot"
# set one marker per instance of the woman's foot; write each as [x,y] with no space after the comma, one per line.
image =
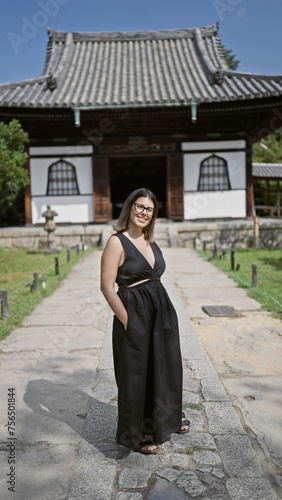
[185,425]
[147,448]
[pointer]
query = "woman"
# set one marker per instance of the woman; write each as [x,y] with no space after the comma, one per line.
[147,358]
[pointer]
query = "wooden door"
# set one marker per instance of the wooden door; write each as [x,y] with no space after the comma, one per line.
[101,189]
[175,186]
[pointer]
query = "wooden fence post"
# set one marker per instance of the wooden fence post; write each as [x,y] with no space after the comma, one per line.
[232,259]
[254,274]
[77,250]
[214,254]
[36,281]
[194,243]
[204,246]
[256,231]
[4,304]
[56,265]
[68,256]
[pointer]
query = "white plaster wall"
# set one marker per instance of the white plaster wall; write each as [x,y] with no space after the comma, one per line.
[39,174]
[215,204]
[236,162]
[70,209]
[213,145]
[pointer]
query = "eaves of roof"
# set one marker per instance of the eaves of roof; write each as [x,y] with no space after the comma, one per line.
[267,170]
[136,69]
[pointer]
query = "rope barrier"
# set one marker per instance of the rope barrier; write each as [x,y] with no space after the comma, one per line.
[34,282]
[244,264]
[26,284]
[245,283]
[259,272]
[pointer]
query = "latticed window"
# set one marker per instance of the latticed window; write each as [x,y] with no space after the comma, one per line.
[62,179]
[214,174]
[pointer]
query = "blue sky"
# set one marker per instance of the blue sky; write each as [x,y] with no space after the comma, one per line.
[251,28]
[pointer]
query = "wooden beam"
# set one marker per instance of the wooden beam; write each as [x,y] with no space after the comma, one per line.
[249,181]
[27,199]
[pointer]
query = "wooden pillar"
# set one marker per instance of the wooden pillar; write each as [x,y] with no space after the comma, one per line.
[27,199]
[175,192]
[249,181]
[101,189]
[278,198]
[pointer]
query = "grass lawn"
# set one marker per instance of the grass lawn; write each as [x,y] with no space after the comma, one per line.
[269,262]
[16,269]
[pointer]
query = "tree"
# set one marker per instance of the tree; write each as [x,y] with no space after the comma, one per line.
[231,62]
[269,149]
[13,176]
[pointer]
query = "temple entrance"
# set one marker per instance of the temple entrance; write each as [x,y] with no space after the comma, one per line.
[130,173]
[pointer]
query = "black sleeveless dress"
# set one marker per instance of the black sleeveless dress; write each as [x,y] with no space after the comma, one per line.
[147,358]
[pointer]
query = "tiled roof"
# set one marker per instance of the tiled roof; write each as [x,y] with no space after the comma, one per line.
[273,170]
[138,68]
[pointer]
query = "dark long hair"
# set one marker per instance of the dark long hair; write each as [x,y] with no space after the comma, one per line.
[123,221]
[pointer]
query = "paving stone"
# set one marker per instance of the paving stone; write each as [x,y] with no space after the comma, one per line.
[250,488]
[163,489]
[206,457]
[190,397]
[201,440]
[196,418]
[133,478]
[222,419]
[278,480]
[170,474]
[128,496]
[139,461]
[191,484]
[93,476]
[188,384]
[206,478]
[202,368]
[213,390]
[218,473]
[176,460]
[214,497]
[238,456]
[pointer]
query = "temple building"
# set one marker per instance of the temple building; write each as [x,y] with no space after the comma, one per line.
[115,111]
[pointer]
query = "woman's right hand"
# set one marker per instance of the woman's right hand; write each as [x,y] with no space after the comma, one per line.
[125,324]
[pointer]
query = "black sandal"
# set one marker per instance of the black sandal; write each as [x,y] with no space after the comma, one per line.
[184,422]
[142,445]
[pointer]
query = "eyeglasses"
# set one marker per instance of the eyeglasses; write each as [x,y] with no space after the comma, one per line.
[140,208]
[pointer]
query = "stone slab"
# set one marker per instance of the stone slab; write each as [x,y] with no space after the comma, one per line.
[163,489]
[170,474]
[206,457]
[191,484]
[222,419]
[238,456]
[130,478]
[220,311]
[201,440]
[93,476]
[129,496]
[249,488]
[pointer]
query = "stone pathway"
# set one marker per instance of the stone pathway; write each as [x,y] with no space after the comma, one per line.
[215,460]
[60,362]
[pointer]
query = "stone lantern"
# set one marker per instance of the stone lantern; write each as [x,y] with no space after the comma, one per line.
[50,227]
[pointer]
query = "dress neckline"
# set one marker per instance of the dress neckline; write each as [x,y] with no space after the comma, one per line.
[152,267]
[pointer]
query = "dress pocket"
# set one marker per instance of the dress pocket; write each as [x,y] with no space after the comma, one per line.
[119,324]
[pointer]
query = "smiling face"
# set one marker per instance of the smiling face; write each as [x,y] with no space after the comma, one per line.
[138,217]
